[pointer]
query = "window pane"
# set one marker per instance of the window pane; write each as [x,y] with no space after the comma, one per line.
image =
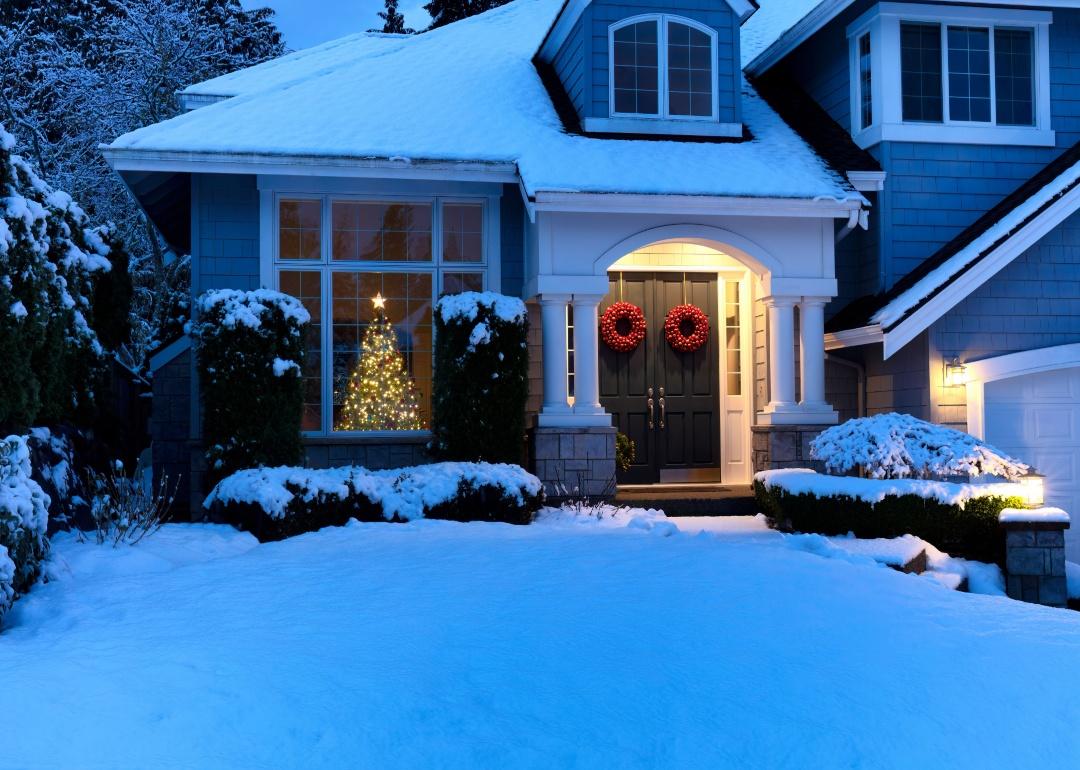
[381,232]
[689,71]
[920,72]
[382,374]
[463,232]
[299,229]
[456,283]
[866,93]
[306,286]
[636,59]
[732,338]
[1014,75]
[969,74]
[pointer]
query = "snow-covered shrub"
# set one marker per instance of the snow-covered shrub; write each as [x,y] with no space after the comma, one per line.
[24,516]
[250,345]
[274,503]
[52,460]
[898,446]
[49,259]
[481,377]
[961,519]
[123,509]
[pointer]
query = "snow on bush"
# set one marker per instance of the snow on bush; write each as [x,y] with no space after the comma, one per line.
[249,346]
[283,501]
[24,517]
[481,377]
[50,258]
[897,446]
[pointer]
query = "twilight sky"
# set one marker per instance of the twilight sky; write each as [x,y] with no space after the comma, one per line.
[309,22]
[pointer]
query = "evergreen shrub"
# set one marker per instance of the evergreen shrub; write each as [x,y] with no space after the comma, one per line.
[24,515]
[970,531]
[481,378]
[250,347]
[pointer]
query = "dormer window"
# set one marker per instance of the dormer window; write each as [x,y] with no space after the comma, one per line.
[663,67]
[950,74]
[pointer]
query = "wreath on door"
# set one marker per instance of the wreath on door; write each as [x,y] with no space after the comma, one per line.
[622,327]
[686,328]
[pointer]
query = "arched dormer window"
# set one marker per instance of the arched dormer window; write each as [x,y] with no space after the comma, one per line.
[662,66]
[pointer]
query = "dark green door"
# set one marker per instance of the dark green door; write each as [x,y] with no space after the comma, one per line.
[666,402]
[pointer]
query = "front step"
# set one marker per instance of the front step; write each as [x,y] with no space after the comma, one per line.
[689,499]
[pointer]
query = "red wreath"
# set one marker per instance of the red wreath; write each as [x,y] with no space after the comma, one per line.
[609,331]
[686,328]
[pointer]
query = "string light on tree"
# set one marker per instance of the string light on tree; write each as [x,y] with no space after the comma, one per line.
[380,394]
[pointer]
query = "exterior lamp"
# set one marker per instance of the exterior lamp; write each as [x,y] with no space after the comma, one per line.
[955,373]
[1033,489]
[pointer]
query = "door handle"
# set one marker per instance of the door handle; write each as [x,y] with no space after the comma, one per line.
[661,408]
[649,402]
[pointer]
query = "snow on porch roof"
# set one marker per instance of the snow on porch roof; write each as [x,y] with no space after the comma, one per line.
[470,92]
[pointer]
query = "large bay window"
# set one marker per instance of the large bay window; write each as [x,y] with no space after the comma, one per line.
[950,74]
[369,272]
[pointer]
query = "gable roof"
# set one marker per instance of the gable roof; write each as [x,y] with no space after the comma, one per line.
[469,93]
[972,257]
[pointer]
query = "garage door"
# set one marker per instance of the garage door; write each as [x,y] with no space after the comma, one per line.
[1036,418]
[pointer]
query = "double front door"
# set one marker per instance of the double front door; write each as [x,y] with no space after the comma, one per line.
[667,402]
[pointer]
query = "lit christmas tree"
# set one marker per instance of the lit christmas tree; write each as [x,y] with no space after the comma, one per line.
[381,394]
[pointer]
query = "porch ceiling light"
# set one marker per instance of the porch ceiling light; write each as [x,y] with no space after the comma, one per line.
[1033,489]
[955,373]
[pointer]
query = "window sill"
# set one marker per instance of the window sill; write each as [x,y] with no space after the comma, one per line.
[370,437]
[955,134]
[662,127]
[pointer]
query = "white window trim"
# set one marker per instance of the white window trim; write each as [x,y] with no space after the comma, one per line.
[662,20]
[883,24]
[270,266]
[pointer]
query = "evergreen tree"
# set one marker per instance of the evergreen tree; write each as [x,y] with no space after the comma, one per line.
[78,73]
[381,394]
[445,12]
[393,21]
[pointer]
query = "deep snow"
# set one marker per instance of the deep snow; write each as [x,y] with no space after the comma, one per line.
[559,644]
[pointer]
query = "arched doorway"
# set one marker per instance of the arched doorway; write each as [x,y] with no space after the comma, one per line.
[688,413]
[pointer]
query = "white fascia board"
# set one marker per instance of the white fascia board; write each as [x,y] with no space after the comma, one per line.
[850,338]
[625,203]
[866,181]
[573,9]
[802,30]
[662,127]
[169,352]
[189,102]
[124,159]
[986,268]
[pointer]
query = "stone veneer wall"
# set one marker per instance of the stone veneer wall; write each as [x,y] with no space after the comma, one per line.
[1035,562]
[574,461]
[784,446]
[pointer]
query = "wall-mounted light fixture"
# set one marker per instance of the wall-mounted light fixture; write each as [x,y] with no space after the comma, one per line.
[955,373]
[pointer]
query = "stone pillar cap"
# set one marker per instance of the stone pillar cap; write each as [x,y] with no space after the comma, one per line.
[1039,516]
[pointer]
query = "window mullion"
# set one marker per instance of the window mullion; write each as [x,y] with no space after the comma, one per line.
[663,75]
[992,67]
[946,111]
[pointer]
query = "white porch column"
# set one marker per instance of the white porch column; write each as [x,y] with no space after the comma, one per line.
[781,353]
[587,357]
[812,352]
[553,329]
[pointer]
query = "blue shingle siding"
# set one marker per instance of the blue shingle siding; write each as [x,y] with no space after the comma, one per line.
[600,15]
[1033,302]
[226,238]
[512,241]
[170,429]
[900,383]
[570,63]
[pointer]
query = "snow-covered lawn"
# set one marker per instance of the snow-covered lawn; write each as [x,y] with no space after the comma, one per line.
[435,644]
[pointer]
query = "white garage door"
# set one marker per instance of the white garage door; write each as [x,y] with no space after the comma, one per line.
[1036,418]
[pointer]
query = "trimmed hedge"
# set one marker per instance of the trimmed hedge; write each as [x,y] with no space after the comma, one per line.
[276,503]
[481,378]
[971,531]
[250,347]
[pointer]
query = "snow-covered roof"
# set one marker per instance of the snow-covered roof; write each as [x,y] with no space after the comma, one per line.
[469,92]
[772,20]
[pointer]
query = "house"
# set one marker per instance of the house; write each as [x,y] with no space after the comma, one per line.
[869,202]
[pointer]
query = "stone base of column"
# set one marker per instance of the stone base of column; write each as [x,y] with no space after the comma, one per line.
[1035,562]
[574,462]
[784,446]
[798,414]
